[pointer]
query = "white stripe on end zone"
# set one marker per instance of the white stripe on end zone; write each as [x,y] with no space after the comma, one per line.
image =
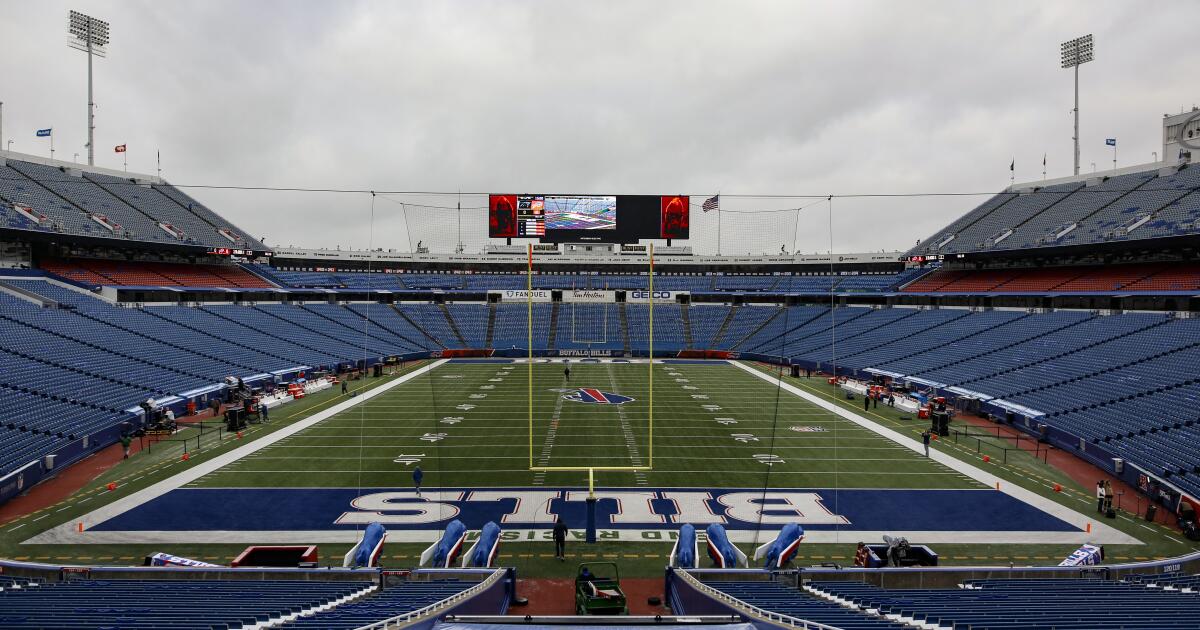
[66,533]
[1101,533]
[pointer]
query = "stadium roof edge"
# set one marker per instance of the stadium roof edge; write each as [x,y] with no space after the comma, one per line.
[1083,177]
[36,159]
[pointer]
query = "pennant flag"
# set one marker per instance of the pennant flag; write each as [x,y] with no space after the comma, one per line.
[1043,159]
[120,148]
[1112,142]
[712,203]
[1013,166]
[42,133]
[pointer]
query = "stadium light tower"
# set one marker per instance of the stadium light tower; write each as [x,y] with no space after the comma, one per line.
[1075,53]
[91,36]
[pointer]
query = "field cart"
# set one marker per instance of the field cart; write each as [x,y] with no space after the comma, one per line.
[598,590]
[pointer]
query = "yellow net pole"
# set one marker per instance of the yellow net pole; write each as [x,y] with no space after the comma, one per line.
[651,362]
[529,342]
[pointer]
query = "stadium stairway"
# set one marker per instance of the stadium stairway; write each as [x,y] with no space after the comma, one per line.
[624,328]
[462,341]
[720,332]
[425,332]
[687,326]
[553,332]
[491,326]
[984,343]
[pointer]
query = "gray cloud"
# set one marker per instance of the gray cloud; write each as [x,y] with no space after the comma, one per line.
[628,97]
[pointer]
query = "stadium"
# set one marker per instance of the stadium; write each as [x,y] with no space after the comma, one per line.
[519,407]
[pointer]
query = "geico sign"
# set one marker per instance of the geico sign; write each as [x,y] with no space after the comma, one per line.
[645,296]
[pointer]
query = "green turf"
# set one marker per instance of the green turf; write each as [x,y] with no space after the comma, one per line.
[489,446]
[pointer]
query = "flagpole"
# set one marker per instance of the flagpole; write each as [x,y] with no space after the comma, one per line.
[1114,156]
[158,161]
[125,158]
[51,143]
[718,223]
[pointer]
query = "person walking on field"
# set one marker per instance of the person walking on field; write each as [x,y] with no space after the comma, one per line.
[560,539]
[125,442]
[417,477]
[1100,496]
[867,402]
[567,373]
[345,388]
[925,437]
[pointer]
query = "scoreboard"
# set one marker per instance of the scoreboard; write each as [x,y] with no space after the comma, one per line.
[556,218]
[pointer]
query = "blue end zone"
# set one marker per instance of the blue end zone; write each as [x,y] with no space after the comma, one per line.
[262,509]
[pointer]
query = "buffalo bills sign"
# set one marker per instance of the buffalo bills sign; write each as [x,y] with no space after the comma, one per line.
[594,396]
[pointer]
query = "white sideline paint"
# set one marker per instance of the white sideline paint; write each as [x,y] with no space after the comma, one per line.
[1101,533]
[66,533]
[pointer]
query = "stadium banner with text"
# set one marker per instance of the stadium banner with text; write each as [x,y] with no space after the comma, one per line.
[642,296]
[588,295]
[523,295]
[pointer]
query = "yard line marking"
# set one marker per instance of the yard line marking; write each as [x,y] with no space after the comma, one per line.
[66,534]
[1100,531]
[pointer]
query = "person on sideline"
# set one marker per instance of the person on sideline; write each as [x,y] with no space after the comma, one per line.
[417,477]
[861,555]
[125,442]
[925,437]
[1100,496]
[560,539]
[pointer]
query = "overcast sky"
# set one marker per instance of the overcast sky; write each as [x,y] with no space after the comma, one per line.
[745,98]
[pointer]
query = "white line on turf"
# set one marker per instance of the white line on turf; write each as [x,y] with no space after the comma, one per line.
[1101,533]
[66,533]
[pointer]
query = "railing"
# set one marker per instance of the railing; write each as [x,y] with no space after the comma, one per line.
[750,609]
[401,620]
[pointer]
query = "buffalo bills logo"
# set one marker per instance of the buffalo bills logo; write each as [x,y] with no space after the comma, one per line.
[596,397]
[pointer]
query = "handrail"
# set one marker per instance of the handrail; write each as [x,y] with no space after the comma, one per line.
[750,609]
[435,607]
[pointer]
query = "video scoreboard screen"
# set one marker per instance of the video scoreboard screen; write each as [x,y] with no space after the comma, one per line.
[597,218]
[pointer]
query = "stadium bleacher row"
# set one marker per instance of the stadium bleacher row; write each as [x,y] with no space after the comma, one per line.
[209,604]
[1004,604]
[739,283]
[1131,207]
[1159,602]
[1146,277]
[69,201]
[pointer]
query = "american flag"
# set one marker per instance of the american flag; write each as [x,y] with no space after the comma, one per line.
[712,203]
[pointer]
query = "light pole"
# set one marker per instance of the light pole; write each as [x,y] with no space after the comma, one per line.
[1075,53]
[90,36]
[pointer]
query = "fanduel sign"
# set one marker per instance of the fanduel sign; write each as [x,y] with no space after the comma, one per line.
[523,295]
[659,296]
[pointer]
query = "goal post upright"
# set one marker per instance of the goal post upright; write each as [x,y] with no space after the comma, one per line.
[650,362]
[529,342]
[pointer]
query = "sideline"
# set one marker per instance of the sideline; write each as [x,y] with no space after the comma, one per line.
[66,533]
[1101,532]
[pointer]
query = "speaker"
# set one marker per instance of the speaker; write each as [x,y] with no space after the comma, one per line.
[795,371]
[377,370]
[1191,531]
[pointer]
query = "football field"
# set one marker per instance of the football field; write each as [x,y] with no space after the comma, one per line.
[468,424]
[727,443]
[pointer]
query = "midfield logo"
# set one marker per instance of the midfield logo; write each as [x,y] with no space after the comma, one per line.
[596,397]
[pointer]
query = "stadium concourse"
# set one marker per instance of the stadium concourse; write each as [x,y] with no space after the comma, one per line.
[278,396]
